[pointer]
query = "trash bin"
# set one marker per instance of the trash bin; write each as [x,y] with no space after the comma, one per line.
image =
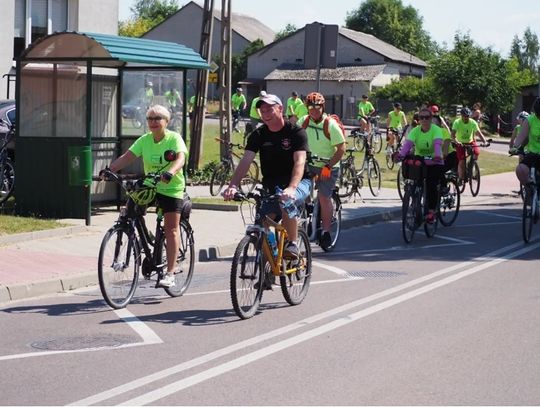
[80,165]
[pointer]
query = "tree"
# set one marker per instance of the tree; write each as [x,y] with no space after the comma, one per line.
[146,15]
[239,61]
[289,29]
[392,22]
[526,50]
[410,89]
[469,74]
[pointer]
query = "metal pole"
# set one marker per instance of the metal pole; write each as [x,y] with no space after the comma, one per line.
[319,46]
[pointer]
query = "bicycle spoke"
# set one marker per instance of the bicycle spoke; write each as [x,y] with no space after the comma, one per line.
[295,285]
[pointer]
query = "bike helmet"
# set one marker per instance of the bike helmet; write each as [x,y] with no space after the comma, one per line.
[143,196]
[522,116]
[397,105]
[315,98]
[434,109]
[536,107]
[466,112]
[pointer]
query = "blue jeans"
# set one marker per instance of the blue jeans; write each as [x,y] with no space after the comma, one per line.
[302,192]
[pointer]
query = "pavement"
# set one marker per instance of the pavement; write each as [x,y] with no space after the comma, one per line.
[58,260]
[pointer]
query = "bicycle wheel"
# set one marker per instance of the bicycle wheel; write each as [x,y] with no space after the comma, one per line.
[389,160]
[335,228]
[8,180]
[219,177]
[474,178]
[358,142]
[376,142]
[374,177]
[408,215]
[118,266]
[528,213]
[449,203]
[247,277]
[185,261]
[250,181]
[346,182]
[295,286]
[400,183]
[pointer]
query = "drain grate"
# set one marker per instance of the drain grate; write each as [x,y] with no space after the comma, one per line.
[375,274]
[84,342]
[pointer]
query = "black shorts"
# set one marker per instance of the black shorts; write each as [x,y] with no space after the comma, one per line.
[169,204]
[531,159]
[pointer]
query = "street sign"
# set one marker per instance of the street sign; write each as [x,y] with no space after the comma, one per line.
[213,77]
[213,67]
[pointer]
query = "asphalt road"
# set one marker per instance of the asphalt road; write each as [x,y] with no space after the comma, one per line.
[449,320]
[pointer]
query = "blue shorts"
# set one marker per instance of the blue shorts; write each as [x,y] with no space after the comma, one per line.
[302,192]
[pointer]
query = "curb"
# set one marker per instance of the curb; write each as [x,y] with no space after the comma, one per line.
[41,234]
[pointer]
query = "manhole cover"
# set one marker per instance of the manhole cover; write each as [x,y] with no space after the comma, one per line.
[375,274]
[84,342]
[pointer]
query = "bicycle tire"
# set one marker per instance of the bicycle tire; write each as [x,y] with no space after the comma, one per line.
[119,263]
[474,178]
[295,286]
[376,142]
[449,204]
[246,281]
[408,215]
[374,175]
[8,180]
[346,182]
[250,181]
[358,143]
[400,180]
[389,159]
[185,260]
[335,228]
[528,213]
[219,178]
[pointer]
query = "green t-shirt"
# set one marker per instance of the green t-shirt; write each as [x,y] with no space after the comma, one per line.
[238,101]
[300,110]
[447,136]
[423,142]
[172,97]
[365,108]
[533,145]
[318,142]
[191,103]
[292,105]
[396,119]
[253,113]
[153,160]
[465,131]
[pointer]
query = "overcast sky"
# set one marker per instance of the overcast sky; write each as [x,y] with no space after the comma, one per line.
[490,23]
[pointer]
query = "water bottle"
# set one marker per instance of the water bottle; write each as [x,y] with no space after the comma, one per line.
[272,241]
[289,206]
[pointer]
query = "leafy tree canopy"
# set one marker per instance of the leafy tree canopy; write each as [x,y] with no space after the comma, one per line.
[146,15]
[526,50]
[289,29]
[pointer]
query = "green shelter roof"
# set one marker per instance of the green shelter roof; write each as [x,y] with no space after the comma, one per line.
[113,51]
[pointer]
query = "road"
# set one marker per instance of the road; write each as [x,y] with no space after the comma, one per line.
[447,320]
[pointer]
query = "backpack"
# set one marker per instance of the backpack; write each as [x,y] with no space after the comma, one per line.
[326,124]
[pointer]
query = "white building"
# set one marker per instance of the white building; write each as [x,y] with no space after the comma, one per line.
[24,21]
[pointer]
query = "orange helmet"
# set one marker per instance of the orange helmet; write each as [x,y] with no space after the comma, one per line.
[315,98]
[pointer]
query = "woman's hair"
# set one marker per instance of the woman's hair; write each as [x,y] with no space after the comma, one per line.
[536,107]
[160,110]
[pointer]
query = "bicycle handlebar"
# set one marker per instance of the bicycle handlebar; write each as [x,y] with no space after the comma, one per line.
[240,146]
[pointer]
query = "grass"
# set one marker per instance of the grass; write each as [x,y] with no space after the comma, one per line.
[18,224]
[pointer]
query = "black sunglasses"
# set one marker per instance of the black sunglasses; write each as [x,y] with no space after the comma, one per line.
[424,117]
[154,118]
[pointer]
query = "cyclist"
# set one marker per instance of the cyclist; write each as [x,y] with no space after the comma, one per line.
[173,99]
[254,116]
[529,134]
[396,121]
[149,94]
[292,105]
[239,103]
[463,132]
[519,119]
[426,139]
[282,149]
[191,113]
[323,146]
[477,113]
[448,150]
[170,190]
[365,109]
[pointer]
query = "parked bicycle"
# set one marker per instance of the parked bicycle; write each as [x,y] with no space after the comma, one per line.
[472,169]
[7,170]
[350,180]
[224,170]
[134,114]
[311,214]
[129,248]
[531,198]
[259,259]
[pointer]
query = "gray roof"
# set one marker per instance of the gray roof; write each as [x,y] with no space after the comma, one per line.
[250,28]
[381,47]
[346,73]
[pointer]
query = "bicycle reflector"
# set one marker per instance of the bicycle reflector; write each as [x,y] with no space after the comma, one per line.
[143,196]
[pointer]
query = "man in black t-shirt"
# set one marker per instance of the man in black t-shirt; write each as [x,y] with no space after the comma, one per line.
[282,149]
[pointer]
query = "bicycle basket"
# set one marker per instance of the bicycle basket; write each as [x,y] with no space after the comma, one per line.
[411,170]
[143,196]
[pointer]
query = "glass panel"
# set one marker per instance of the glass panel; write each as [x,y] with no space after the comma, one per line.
[19,18]
[39,13]
[59,15]
[53,100]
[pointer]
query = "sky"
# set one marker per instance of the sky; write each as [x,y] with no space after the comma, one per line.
[489,23]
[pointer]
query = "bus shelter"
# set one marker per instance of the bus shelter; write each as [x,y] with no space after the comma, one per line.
[81,100]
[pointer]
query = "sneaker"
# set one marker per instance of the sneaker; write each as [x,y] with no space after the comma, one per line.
[291,251]
[430,217]
[269,280]
[325,241]
[167,281]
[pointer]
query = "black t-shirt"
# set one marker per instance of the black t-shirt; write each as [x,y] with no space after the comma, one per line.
[276,153]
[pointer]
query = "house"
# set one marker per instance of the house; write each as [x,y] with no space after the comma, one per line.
[364,63]
[25,21]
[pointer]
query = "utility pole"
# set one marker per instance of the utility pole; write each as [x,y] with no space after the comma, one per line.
[205,49]
[225,128]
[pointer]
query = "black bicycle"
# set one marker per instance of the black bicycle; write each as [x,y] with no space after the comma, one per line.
[7,170]
[472,169]
[129,248]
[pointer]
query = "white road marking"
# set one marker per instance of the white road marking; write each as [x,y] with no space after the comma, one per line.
[148,337]
[475,225]
[500,215]
[338,271]
[143,381]
[218,370]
